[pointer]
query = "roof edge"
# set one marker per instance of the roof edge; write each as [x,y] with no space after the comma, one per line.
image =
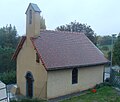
[77,66]
[43,63]
[68,32]
[31,4]
[20,44]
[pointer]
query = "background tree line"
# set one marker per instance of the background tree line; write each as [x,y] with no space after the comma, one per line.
[102,42]
[9,39]
[8,42]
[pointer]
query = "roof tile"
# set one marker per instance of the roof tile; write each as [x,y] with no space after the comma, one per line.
[62,49]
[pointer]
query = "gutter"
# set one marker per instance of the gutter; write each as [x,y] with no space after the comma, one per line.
[77,66]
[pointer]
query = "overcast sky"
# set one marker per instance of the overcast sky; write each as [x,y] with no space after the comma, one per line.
[102,15]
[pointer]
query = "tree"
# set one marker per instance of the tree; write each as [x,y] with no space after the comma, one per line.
[78,27]
[8,37]
[105,48]
[8,77]
[6,64]
[116,52]
[105,40]
[8,42]
[42,23]
[109,55]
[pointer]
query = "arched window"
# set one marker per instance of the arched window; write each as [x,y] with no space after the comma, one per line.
[74,76]
[30,17]
[29,75]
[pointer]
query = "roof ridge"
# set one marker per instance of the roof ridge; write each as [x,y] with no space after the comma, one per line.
[62,31]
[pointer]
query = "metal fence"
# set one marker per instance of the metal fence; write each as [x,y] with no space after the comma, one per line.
[115,78]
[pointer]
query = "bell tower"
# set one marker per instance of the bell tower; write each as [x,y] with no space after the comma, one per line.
[32,20]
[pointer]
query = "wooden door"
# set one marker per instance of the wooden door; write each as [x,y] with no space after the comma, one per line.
[29,85]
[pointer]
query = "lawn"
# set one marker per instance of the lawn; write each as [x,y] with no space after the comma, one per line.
[104,94]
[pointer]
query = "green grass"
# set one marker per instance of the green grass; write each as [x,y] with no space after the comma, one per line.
[29,100]
[104,94]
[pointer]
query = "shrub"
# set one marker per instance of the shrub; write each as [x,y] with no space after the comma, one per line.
[8,77]
[29,100]
[102,85]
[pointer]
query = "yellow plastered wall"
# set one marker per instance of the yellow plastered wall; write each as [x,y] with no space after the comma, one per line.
[26,61]
[60,82]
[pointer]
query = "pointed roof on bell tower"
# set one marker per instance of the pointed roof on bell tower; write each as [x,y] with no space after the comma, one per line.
[34,7]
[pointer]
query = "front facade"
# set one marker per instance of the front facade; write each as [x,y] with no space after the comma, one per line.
[52,64]
[31,75]
[26,63]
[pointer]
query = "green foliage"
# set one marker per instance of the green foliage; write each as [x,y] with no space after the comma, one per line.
[8,42]
[105,48]
[8,77]
[103,94]
[6,64]
[105,40]
[78,27]
[29,100]
[109,55]
[42,23]
[102,85]
[116,52]
[105,51]
[8,37]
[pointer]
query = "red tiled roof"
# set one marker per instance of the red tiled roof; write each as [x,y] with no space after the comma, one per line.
[65,50]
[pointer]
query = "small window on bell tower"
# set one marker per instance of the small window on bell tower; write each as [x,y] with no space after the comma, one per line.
[30,17]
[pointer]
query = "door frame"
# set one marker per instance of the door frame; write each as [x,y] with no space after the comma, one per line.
[29,73]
